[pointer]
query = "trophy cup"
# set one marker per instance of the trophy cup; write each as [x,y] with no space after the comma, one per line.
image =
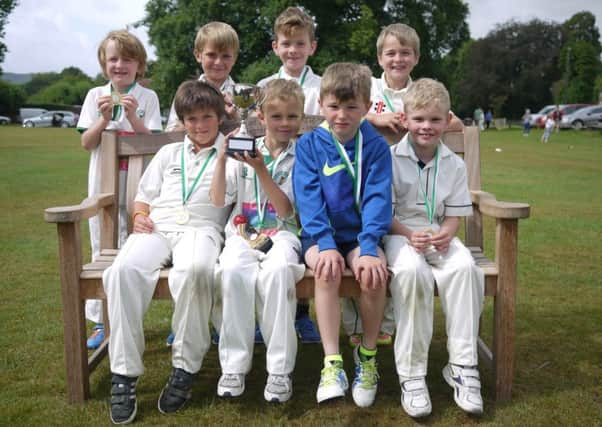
[244,97]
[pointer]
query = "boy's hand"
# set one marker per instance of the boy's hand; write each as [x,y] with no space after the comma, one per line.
[130,104]
[330,265]
[441,240]
[420,240]
[143,224]
[105,107]
[231,110]
[371,272]
[389,120]
[256,162]
[221,154]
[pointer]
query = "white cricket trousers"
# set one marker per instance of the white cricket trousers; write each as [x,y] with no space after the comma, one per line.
[461,285]
[130,283]
[254,282]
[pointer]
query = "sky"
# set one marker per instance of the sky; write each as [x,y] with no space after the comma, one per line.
[45,35]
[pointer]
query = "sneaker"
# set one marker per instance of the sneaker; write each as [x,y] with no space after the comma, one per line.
[176,392]
[278,388]
[384,338]
[467,387]
[123,399]
[258,336]
[169,340]
[306,330]
[214,337]
[97,337]
[231,385]
[333,383]
[365,383]
[355,340]
[415,398]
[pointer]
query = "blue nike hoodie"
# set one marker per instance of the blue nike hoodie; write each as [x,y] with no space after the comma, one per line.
[324,190]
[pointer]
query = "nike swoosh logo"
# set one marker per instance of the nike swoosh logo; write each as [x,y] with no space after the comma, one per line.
[327,170]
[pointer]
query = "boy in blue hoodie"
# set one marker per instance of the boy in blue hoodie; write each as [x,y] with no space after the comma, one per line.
[342,187]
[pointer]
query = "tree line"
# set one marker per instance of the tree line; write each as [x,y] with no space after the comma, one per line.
[515,66]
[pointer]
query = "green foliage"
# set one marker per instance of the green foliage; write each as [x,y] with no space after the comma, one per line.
[68,87]
[6,7]
[12,97]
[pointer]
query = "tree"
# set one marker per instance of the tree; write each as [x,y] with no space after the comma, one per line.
[6,7]
[513,67]
[12,97]
[346,30]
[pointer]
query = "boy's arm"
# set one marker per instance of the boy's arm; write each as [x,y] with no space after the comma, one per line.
[130,104]
[141,220]
[91,136]
[217,192]
[91,122]
[391,121]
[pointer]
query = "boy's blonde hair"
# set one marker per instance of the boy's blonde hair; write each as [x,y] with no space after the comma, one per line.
[128,46]
[193,95]
[292,20]
[426,93]
[405,35]
[346,81]
[282,90]
[219,34]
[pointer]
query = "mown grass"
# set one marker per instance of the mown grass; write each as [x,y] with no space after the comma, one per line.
[559,316]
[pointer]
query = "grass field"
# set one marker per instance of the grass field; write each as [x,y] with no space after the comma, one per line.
[558,379]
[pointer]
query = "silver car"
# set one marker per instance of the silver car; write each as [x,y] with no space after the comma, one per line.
[57,118]
[588,117]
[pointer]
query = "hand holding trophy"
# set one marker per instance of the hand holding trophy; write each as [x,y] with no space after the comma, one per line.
[244,97]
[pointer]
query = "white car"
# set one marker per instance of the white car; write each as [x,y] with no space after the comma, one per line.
[4,120]
[57,118]
[533,118]
[588,117]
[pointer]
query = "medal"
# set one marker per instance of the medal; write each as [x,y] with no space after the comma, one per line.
[116,98]
[182,217]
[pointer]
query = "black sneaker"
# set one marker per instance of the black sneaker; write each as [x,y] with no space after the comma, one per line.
[123,399]
[176,392]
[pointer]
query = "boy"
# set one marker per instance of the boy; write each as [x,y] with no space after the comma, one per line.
[255,281]
[549,124]
[294,42]
[215,49]
[430,195]
[120,104]
[174,223]
[345,209]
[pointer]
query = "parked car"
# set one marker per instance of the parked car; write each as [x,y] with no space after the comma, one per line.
[564,110]
[588,117]
[533,118]
[58,118]
[4,120]
[26,113]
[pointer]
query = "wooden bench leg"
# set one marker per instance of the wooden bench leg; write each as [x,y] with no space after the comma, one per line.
[504,308]
[76,356]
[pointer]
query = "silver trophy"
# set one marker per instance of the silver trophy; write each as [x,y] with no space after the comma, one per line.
[244,97]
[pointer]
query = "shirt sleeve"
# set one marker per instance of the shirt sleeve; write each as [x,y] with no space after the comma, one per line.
[152,117]
[459,203]
[172,119]
[89,112]
[233,172]
[151,182]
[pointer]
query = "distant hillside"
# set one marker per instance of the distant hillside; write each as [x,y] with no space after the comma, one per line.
[16,78]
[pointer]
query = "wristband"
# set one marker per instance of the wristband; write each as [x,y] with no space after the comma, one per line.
[139,213]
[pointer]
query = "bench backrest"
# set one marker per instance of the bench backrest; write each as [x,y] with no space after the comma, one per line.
[134,148]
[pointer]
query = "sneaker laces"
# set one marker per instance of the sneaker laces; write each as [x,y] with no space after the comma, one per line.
[368,373]
[230,380]
[279,382]
[329,375]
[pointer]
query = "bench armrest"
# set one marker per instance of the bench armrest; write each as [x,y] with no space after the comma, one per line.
[86,209]
[490,206]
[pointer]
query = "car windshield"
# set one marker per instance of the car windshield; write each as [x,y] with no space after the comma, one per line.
[546,110]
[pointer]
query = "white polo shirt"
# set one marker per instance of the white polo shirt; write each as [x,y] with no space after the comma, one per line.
[452,197]
[240,189]
[172,120]
[384,98]
[310,86]
[161,187]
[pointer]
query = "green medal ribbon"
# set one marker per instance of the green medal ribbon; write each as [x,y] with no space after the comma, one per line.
[354,170]
[429,205]
[187,193]
[301,80]
[118,108]
[388,102]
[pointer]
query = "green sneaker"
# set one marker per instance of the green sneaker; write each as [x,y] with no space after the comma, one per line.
[365,383]
[333,382]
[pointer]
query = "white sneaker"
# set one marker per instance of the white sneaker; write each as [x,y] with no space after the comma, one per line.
[415,398]
[231,385]
[467,387]
[365,383]
[278,388]
[333,383]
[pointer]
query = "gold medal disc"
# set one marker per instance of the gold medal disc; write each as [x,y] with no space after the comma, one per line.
[182,217]
[116,98]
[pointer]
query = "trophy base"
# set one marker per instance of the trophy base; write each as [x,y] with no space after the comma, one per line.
[240,144]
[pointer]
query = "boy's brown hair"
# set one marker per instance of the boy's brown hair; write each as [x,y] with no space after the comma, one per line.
[282,90]
[292,20]
[346,81]
[405,35]
[219,34]
[426,93]
[128,46]
[193,95]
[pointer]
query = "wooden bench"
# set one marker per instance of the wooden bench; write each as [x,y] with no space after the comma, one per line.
[81,281]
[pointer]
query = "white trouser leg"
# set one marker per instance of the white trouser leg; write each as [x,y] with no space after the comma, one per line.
[276,303]
[94,310]
[190,280]
[93,307]
[461,285]
[239,265]
[129,284]
[412,293]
